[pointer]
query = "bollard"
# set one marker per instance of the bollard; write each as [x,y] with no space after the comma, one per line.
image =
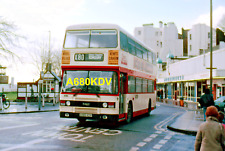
[1,103]
[182,102]
[26,102]
[53,101]
[43,101]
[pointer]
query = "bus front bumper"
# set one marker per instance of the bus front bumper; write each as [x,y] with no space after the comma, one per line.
[101,117]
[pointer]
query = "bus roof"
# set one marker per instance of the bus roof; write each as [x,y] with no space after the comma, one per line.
[104,26]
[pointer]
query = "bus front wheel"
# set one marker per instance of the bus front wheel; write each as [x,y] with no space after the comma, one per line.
[82,120]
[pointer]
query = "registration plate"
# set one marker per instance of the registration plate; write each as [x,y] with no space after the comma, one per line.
[85,115]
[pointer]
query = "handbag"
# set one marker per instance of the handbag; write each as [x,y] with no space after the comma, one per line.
[223,134]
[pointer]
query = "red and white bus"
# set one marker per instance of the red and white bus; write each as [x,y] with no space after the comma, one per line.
[107,74]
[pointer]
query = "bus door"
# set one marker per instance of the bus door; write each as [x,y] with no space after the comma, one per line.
[122,92]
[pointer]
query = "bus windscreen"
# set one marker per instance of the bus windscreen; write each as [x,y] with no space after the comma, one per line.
[97,82]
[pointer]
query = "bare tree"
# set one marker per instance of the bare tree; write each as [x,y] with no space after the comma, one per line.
[43,55]
[8,37]
[56,61]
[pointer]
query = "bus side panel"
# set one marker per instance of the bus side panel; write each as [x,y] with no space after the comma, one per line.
[140,103]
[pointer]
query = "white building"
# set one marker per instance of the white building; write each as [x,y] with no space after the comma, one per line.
[162,40]
[199,39]
[191,77]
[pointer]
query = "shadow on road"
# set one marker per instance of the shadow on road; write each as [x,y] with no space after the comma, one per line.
[108,124]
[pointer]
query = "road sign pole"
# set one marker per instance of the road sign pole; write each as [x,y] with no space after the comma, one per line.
[39,97]
[39,94]
[26,99]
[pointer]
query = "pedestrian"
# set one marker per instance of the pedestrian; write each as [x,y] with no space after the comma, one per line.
[205,101]
[221,117]
[210,136]
[158,95]
[161,94]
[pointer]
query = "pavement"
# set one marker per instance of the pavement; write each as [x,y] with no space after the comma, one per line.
[188,122]
[32,107]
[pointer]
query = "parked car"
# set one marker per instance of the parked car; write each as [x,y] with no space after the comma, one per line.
[220,103]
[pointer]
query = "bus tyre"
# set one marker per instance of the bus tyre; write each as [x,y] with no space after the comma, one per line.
[82,120]
[129,113]
[149,108]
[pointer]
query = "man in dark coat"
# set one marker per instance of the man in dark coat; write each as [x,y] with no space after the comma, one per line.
[205,101]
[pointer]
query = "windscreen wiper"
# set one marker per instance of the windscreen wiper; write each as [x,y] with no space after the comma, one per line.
[76,91]
[97,95]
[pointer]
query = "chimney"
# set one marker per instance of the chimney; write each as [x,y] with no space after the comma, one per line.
[160,24]
[148,25]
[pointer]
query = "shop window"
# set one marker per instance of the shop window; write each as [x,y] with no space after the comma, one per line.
[47,85]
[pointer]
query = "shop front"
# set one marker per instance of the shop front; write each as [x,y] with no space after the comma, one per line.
[189,88]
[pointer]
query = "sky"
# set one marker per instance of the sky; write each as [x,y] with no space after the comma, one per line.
[35,18]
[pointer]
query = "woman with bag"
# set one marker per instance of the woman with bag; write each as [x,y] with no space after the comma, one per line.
[210,136]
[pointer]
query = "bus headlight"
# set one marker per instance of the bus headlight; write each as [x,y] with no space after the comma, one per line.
[68,103]
[105,105]
[105,117]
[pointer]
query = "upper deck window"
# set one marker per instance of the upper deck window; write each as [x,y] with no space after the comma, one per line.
[91,39]
[76,39]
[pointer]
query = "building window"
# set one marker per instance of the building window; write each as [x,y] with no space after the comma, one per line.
[190,36]
[139,32]
[160,33]
[208,34]
[161,44]
[201,51]
[157,43]
[190,47]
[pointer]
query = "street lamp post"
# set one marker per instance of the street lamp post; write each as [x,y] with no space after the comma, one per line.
[40,82]
[211,66]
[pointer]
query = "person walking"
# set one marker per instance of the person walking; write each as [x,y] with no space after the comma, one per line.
[205,101]
[210,136]
[221,117]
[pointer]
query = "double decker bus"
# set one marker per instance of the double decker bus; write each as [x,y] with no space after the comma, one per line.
[106,74]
